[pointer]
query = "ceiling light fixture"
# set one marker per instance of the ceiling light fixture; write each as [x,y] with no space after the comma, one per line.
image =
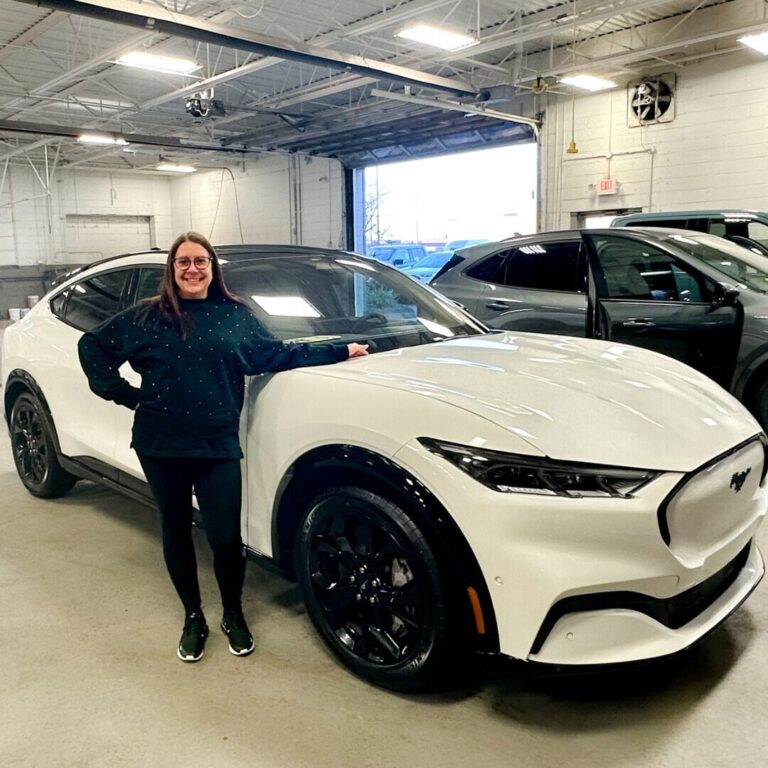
[439,38]
[158,63]
[588,82]
[174,168]
[759,42]
[102,139]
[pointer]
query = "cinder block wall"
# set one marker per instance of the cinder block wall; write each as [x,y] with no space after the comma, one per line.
[712,154]
[273,199]
[89,215]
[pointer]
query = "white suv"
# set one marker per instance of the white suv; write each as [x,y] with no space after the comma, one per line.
[553,499]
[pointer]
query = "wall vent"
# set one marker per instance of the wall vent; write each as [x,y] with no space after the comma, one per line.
[651,100]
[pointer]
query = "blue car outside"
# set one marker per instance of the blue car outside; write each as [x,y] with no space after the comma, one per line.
[425,269]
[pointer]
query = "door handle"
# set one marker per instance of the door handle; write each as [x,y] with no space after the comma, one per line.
[639,322]
[497,305]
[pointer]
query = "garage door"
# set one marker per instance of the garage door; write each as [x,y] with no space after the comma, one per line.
[90,237]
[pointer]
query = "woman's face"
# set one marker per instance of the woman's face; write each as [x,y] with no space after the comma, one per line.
[192,270]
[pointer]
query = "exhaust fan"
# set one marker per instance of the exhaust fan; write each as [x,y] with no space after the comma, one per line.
[651,100]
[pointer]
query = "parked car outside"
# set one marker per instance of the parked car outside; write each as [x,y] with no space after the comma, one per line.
[563,501]
[743,227]
[398,254]
[693,296]
[454,245]
[425,269]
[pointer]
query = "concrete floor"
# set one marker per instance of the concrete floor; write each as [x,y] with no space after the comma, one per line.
[89,676]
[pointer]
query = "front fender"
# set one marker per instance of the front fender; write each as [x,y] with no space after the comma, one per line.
[332,465]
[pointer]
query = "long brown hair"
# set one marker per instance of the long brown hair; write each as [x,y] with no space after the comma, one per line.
[166,305]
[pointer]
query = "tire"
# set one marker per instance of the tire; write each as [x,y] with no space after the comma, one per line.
[34,450]
[372,587]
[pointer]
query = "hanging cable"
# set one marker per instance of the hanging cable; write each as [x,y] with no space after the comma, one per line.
[218,203]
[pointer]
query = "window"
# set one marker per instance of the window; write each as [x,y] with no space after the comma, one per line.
[149,283]
[57,303]
[95,300]
[540,266]
[487,269]
[328,298]
[634,270]
[758,231]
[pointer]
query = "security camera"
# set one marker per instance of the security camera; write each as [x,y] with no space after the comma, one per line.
[194,106]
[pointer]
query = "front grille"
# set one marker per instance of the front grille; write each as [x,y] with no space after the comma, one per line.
[683,529]
[673,612]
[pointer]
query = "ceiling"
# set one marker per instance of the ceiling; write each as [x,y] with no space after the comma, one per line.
[327,78]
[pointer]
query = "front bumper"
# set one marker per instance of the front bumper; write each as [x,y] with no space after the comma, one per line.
[611,635]
[539,554]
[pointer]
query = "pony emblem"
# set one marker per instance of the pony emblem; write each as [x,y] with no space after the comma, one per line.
[738,478]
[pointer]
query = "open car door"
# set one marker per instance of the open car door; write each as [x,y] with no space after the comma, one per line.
[643,295]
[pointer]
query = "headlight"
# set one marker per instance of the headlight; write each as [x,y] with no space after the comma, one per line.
[513,473]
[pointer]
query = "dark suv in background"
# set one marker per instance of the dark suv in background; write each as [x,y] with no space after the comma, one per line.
[690,295]
[744,227]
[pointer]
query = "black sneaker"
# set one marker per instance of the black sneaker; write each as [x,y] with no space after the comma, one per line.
[192,642]
[234,627]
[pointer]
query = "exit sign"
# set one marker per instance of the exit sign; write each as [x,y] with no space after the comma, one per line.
[606,187]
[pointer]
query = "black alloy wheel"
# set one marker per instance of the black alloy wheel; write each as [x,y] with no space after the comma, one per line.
[373,588]
[34,452]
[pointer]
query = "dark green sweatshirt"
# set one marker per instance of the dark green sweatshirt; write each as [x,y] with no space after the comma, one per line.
[192,389]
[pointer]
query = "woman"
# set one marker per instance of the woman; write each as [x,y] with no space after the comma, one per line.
[193,345]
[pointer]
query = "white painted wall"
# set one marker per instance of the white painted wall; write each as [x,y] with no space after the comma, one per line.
[713,154]
[88,214]
[280,199]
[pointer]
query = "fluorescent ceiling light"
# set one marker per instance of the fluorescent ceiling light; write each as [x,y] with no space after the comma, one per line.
[97,138]
[758,42]
[173,168]
[440,38]
[158,63]
[588,82]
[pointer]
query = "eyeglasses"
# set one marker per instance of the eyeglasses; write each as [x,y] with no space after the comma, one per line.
[200,262]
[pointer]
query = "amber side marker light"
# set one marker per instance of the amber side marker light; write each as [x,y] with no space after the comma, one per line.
[477,610]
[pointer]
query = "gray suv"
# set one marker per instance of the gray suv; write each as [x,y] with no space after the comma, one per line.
[744,227]
[690,295]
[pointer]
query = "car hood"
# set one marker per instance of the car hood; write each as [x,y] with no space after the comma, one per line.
[571,399]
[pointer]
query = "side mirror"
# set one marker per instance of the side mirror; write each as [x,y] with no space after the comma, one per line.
[397,263]
[725,295]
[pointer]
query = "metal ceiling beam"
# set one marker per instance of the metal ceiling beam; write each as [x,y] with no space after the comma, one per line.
[26,148]
[159,20]
[371,24]
[16,126]
[457,106]
[51,20]
[652,51]
[543,24]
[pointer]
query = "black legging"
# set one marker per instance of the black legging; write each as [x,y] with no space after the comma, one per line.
[217,486]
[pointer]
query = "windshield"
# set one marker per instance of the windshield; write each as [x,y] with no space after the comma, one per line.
[345,298]
[382,254]
[739,264]
[436,259]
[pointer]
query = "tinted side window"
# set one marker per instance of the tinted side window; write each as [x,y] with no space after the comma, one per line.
[636,270]
[542,266]
[488,268]
[148,284]
[96,299]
